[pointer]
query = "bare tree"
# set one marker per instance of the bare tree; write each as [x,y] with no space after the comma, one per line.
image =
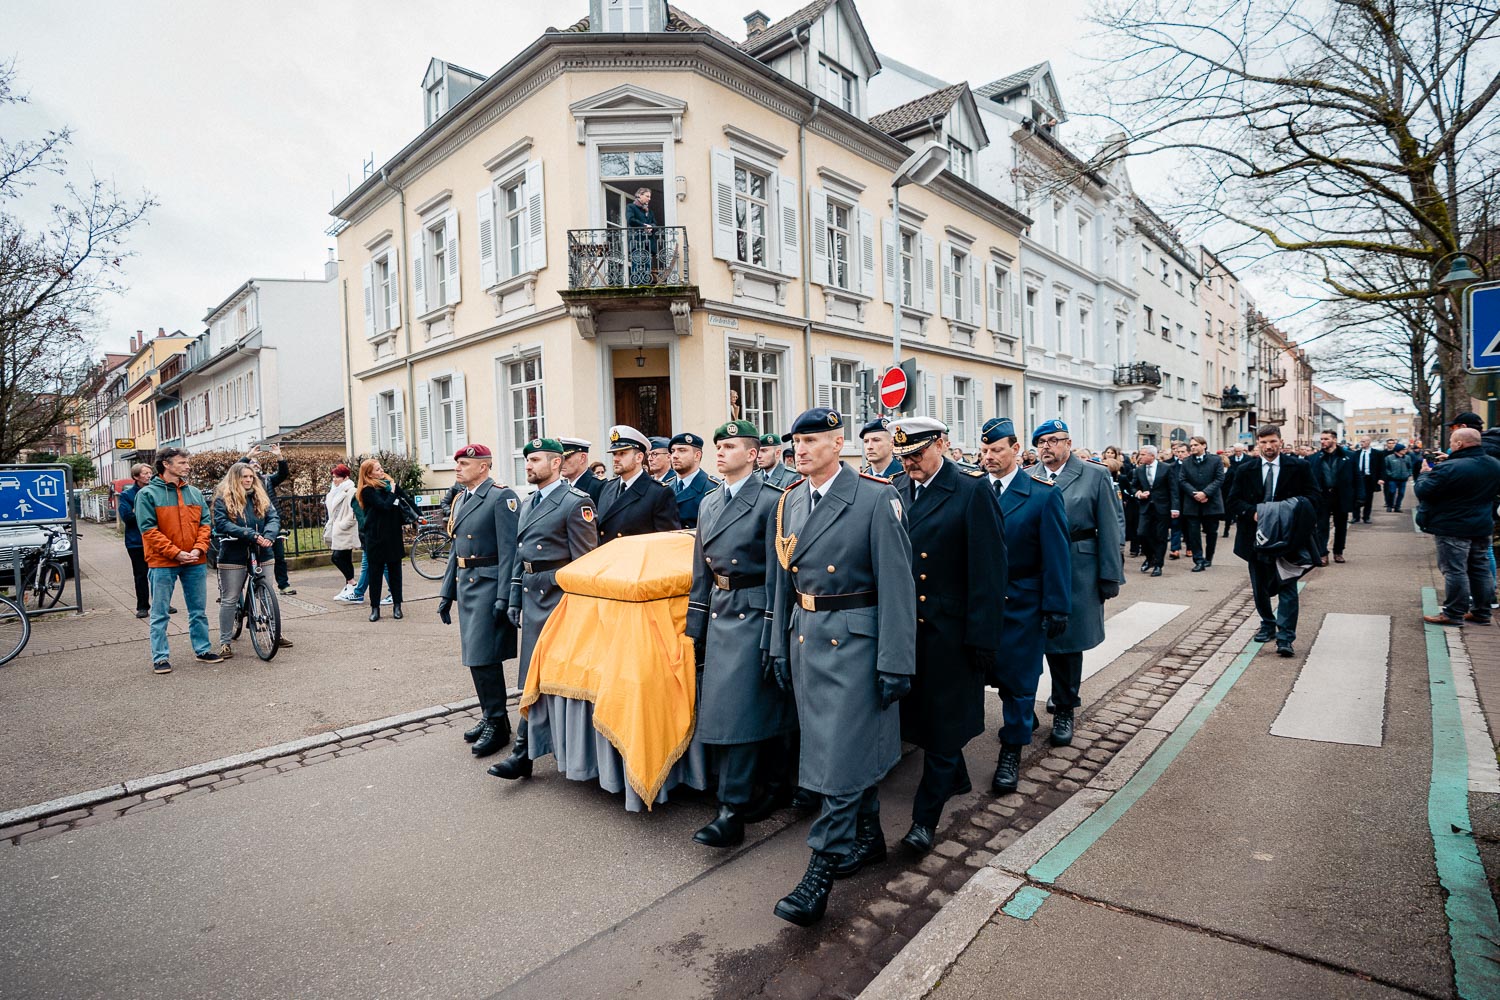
[52,278]
[1329,131]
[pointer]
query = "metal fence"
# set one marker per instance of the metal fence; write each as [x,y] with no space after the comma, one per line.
[304,516]
[627,258]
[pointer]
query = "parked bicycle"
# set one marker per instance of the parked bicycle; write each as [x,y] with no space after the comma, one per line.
[15,629]
[430,547]
[44,572]
[259,609]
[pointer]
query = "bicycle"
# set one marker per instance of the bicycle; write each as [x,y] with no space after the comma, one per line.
[15,629]
[430,548]
[259,607]
[43,573]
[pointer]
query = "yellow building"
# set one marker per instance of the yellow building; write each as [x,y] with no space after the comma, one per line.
[1227,401]
[499,289]
[1380,422]
[143,378]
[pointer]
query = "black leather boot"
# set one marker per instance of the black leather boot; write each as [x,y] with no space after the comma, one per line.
[803,799]
[517,765]
[396,611]
[759,809]
[806,904]
[493,736]
[374,614]
[869,847]
[1062,729]
[1008,771]
[726,830]
[470,735]
[918,839]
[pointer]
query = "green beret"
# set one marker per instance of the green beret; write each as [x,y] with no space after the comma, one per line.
[543,444]
[737,429]
[770,439]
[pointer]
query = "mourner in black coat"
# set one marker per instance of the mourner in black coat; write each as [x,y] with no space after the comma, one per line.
[1335,475]
[1155,490]
[1200,475]
[959,566]
[634,503]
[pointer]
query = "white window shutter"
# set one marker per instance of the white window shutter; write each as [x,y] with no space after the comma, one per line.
[398,444]
[976,415]
[369,279]
[892,261]
[419,272]
[393,308]
[460,409]
[485,205]
[929,395]
[791,237]
[424,422]
[949,395]
[928,272]
[823,379]
[721,176]
[866,240]
[971,269]
[450,228]
[946,305]
[817,215]
[374,423]
[536,218]
[992,317]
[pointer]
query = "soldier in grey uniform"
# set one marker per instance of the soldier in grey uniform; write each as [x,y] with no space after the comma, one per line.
[843,638]
[482,522]
[739,705]
[768,463]
[558,524]
[1096,532]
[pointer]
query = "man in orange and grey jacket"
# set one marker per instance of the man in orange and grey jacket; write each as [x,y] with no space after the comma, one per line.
[174,522]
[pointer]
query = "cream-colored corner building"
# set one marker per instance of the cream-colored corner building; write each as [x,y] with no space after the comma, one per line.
[1227,398]
[495,290]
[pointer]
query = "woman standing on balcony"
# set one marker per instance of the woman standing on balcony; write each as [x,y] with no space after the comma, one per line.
[384,546]
[642,249]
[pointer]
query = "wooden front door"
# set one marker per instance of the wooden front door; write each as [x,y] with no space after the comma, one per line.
[645,404]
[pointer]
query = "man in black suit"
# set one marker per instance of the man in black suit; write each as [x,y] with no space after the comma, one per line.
[1155,493]
[575,468]
[1238,456]
[1370,463]
[1334,475]
[641,226]
[1200,485]
[1276,476]
[634,503]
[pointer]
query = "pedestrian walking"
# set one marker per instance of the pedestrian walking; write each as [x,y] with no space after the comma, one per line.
[1398,469]
[1173,465]
[1456,505]
[1200,484]
[1335,473]
[959,562]
[1277,476]
[556,526]
[1155,492]
[1038,594]
[634,504]
[1370,470]
[243,516]
[140,475]
[843,638]
[742,714]
[341,530]
[1096,525]
[384,544]
[257,459]
[174,522]
[481,563]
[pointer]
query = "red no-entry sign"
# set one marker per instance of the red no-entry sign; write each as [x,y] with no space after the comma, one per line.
[892,388]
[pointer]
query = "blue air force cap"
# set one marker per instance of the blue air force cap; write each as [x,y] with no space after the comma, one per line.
[819,418]
[997,429]
[1048,427]
[878,424]
[688,438]
[660,444]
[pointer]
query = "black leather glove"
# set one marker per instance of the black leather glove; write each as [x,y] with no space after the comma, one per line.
[984,660]
[1108,590]
[1054,625]
[700,652]
[777,670]
[498,612]
[445,611]
[893,687]
[514,614]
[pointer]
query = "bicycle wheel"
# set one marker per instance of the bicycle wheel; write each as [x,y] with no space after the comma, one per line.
[239,616]
[15,629]
[264,619]
[50,584]
[429,553]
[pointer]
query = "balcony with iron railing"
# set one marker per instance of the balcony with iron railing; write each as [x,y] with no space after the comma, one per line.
[1138,374]
[1273,415]
[636,268]
[1233,399]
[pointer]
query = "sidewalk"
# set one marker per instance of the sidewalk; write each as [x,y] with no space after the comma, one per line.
[1262,851]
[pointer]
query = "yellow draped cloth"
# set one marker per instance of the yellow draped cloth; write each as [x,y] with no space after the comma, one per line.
[616,639]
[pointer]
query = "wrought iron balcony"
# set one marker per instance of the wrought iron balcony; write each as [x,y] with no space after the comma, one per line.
[1233,399]
[1139,373]
[1275,378]
[638,259]
[1273,415]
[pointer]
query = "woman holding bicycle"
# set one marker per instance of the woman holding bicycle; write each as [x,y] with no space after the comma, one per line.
[244,516]
[385,547]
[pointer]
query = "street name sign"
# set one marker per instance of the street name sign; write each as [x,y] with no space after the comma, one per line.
[34,494]
[1482,326]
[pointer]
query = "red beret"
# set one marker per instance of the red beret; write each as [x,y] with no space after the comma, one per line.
[471,451]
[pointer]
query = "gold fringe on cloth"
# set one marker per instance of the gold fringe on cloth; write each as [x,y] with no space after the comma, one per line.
[616,639]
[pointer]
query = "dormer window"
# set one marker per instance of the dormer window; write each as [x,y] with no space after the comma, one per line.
[435,101]
[960,159]
[839,86]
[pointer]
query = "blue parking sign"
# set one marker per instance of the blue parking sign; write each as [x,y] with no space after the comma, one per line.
[34,494]
[1482,326]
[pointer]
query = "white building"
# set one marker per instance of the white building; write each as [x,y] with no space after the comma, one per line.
[269,360]
[1166,279]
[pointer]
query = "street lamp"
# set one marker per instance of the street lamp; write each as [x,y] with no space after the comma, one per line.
[919,168]
[1459,276]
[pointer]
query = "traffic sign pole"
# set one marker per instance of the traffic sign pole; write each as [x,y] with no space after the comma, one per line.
[36,495]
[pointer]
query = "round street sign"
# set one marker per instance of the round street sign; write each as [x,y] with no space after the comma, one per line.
[892,388]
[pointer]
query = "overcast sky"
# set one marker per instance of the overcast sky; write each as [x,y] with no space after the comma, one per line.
[246,121]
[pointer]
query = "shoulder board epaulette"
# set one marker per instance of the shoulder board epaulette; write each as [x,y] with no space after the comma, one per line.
[976,473]
[874,478]
[767,484]
[794,484]
[1042,482]
[580,493]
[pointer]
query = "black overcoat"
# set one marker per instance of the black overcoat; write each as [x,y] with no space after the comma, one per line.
[646,507]
[384,519]
[1247,491]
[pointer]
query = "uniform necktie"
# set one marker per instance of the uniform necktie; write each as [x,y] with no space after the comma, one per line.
[1270,482]
[999,485]
[536,501]
[813,496]
[1051,476]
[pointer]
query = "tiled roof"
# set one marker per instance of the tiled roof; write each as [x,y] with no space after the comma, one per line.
[934,105]
[811,12]
[325,430]
[1008,84]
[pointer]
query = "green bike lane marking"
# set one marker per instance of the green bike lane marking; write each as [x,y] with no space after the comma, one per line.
[1473,924]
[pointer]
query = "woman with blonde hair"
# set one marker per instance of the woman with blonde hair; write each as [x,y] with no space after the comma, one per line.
[243,516]
[385,547]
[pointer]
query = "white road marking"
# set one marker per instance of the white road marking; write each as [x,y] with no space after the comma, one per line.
[1122,632]
[1339,696]
[1484,775]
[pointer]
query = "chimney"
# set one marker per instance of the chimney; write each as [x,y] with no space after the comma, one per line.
[755,22]
[136,341]
[330,266]
[161,331]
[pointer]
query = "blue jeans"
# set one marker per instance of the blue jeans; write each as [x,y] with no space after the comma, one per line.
[363,583]
[194,592]
[1469,580]
[1395,492]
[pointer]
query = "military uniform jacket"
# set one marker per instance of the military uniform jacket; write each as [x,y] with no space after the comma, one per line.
[1096,530]
[855,541]
[894,472]
[590,484]
[484,528]
[690,497]
[959,565]
[646,507]
[778,476]
[558,530]
[735,703]
[1041,579]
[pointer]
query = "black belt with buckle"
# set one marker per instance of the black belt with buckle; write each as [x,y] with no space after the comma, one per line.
[738,581]
[468,561]
[836,602]
[1083,534]
[545,566]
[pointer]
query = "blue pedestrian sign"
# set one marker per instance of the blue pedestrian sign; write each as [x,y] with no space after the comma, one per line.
[34,494]
[1482,326]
